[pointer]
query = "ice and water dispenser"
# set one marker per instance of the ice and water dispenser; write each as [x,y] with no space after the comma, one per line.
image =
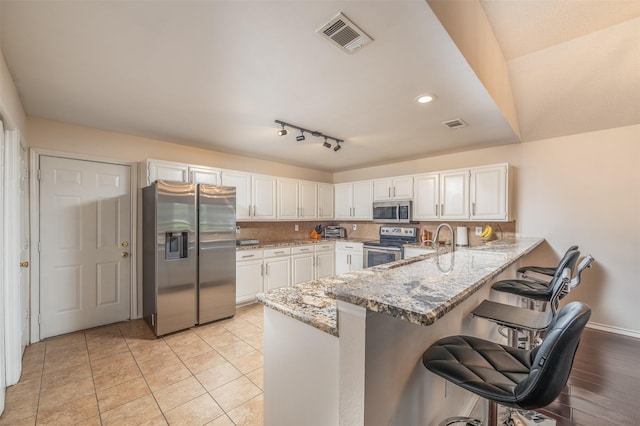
[176,245]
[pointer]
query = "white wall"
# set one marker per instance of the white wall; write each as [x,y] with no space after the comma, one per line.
[585,189]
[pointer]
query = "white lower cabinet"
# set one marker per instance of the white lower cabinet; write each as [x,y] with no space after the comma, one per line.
[325,260]
[302,263]
[249,275]
[277,268]
[349,257]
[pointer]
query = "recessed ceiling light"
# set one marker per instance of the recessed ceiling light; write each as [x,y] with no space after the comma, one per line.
[425,99]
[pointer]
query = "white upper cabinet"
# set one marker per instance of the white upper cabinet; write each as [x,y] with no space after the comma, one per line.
[325,201]
[490,192]
[255,195]
[354,200]
[307,200]
[179,172]
[263,189]
[205,175]
[454,195]
[398,188]
[297,199]
[166,170]
[288,206]
[426,203]
[242,182]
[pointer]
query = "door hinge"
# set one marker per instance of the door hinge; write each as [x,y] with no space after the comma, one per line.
[39,317]
[39,174]
[39,246]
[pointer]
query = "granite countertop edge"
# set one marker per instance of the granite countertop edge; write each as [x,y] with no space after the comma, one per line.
[315,302]
[293,243]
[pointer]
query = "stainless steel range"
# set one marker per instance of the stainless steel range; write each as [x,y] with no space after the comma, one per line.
[389,247]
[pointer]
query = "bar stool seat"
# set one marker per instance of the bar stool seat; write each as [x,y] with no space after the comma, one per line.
[517,378]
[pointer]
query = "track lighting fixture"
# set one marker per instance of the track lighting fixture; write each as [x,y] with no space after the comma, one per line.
[315,133]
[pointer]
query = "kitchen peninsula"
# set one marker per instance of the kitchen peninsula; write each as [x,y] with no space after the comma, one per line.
[346,349]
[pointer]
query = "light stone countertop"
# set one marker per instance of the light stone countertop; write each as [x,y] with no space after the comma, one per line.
[292,243]
[419,290]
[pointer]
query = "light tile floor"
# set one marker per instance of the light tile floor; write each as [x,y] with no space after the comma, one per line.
[121,374]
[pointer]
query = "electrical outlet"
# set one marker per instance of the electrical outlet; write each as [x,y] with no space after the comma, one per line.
[478,230]
[354,227]
[237,229]
[296,228]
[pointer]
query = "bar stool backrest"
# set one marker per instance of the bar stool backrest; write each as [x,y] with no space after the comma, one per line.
[551,362]
[561,278]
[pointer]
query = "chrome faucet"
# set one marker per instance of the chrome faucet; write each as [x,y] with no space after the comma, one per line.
[436,235]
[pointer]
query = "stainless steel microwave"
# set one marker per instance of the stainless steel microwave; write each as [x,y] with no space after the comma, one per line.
[392,211]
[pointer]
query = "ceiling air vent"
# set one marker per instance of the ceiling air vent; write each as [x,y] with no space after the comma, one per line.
[344,34]
[455,124]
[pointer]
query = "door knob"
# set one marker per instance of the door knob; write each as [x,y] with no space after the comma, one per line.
[24,264]
[124,244]
[124,254]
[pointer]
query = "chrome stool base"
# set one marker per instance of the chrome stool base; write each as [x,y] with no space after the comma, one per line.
[513,417]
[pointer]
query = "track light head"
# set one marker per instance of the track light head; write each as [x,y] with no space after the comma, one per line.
[283,131]
[301,137]
[337,147]
[325,143]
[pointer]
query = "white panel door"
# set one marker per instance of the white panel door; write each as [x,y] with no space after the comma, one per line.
[24,245]
[85,236]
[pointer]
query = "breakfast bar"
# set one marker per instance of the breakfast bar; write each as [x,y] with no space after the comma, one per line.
[346,349]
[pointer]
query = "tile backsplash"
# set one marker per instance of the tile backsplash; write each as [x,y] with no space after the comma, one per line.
[284,231]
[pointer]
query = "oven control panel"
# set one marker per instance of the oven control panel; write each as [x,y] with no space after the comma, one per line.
[398,231]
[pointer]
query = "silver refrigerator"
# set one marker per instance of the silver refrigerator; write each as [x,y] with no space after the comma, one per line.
[188,254]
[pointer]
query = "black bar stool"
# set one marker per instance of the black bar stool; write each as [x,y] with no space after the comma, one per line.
[516,378]
[530,322]
[536,289]
[543,270]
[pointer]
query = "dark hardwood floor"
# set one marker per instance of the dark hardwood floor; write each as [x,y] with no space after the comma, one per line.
[604,386]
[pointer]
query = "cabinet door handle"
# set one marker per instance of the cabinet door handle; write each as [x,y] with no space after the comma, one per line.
[442,209]
[437,208]
[254,210]
[267,268]
[389,192]
[473,209]
[394,191]
[262,270]
[348,259]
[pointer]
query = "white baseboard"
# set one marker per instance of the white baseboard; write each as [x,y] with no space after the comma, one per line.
[615,330]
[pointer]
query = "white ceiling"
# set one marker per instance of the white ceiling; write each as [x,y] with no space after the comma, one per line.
[216,74]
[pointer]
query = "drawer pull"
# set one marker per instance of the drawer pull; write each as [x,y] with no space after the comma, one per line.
[248,255]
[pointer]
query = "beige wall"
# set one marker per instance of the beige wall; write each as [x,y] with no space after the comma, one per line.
[585,189]
[65,137]
[11,110]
